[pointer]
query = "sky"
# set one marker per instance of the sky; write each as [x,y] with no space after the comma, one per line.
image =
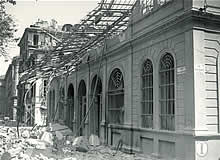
[27,12]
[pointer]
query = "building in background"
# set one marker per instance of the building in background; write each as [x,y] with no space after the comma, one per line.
[2,97]
[157,88]
[35,43]
[11,93]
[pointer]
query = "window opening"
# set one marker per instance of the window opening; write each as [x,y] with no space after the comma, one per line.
[147,95]
[167,93]
[116,97]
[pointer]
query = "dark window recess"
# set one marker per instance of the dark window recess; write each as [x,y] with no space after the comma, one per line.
[36,38]
[45,88]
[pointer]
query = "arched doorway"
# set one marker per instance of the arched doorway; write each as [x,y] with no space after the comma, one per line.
[96,110]
[53,96]
[70,107]
[82,106]
[49,106]
[61,103]
[116,97]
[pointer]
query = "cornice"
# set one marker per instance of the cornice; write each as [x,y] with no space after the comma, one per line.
[187,20]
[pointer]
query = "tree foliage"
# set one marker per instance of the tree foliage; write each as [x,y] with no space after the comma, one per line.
[7,27]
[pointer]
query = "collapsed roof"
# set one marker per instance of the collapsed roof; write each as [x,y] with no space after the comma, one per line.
[109,18]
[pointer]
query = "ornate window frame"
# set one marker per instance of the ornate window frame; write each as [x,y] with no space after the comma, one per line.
[147,94]
[116,97]
[167,92]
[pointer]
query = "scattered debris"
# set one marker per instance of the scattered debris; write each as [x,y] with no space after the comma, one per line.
[81,144]
[64,130]
[25,134]
[94,140]
[55,143]
[47,137]
[59,135]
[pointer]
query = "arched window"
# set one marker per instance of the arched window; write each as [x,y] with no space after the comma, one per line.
[147,95]
[61,103]
[116,97]
[82,99]
[96,110]
[70,106]
[167,93]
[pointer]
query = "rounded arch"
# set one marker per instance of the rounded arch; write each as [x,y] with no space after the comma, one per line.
[61,103]
[116,97]
[142,61]
[82,88]
[164,52]
[166,61]
[96,110]
[82,106]
[147,67]
[70,106]
[167,91]
[99,84]
[95,74]
[147,94]
[70,92]
[116,80]
[115,66]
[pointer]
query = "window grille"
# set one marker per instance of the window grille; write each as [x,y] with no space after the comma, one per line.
[167,93]
[116,97]
[147,95]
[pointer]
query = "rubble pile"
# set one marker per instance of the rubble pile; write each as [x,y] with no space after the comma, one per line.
[54,143]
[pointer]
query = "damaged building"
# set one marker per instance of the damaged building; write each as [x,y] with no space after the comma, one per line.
[35,43]
[144,74]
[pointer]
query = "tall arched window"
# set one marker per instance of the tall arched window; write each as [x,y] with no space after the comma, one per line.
[82,101]
[70,106]
[147,95]
[167,93]
[116,97]
[61,103]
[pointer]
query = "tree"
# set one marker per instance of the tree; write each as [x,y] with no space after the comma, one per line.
[7,28]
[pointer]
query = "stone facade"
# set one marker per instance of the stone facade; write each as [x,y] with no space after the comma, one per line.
[188,31]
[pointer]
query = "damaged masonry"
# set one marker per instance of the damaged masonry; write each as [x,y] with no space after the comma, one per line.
[135,79]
